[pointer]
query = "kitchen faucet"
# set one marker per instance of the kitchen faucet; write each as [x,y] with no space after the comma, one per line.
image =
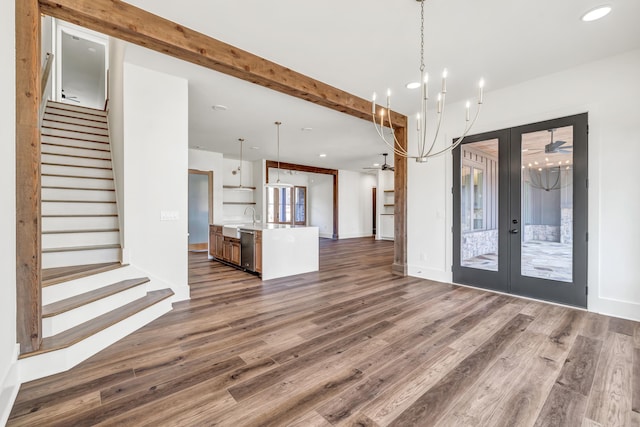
[253,212]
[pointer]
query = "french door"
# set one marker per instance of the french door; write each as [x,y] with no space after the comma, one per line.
[520,210]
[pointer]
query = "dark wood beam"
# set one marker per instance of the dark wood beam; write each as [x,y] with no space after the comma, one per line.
[312,169]
[129,23]
[28,258]
[400,205]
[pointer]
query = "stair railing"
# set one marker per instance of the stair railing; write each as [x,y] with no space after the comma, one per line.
[44,82]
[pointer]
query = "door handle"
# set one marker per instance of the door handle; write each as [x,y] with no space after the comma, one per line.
[514,231]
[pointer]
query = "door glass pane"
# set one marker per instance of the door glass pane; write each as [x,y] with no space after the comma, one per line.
[547,204]
[479,205]
[198,208]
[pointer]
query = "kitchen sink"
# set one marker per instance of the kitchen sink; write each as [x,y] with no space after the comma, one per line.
[231,230]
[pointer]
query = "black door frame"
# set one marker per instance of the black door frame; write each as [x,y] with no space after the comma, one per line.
[508,278]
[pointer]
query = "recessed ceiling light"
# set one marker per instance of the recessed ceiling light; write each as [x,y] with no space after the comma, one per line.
[219,107]
[92,49]
[323,155]
[306,129]
[597,13]
[412,85]
[255,148]
[375,165]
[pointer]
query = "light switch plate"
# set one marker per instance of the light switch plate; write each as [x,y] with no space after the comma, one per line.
[169,215]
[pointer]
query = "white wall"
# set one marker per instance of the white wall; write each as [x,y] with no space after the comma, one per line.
[210,161]
[156,174]
[320,203]
[385,226]
[355,204]
[8,349]
[609,91]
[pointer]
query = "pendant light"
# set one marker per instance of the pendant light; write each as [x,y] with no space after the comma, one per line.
[240,187]
[278,184]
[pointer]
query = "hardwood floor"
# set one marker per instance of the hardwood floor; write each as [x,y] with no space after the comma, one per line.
[352,345]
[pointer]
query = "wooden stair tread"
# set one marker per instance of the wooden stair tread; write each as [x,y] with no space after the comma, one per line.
[84,330]
[76,166]
[105,150]
[59,118]
[78,201]
[80,248]
[75,130]
[74,176]
[52,276]
[74,156]
[74,302]
[54,187]
[77,108]
[78,215]
[89,230]
[59,112]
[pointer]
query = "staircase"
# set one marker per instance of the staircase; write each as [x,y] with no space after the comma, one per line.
[89,298]
[79,211]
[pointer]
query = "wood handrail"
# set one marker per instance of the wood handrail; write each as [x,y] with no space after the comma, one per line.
[44,83]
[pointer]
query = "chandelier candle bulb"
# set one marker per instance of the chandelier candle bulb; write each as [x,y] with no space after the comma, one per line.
[481,86]
[425,86]
[373,103]
[439,103]
[389,99]
[444,80]
[418,121]
[468,105]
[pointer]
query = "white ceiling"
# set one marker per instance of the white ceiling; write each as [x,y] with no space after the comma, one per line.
[362,46]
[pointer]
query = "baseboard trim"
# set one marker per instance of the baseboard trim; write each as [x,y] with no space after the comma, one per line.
[10,385]
[355,235]
[616,308]
[429,273]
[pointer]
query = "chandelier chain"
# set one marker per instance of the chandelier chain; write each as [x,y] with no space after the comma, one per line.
[421,35]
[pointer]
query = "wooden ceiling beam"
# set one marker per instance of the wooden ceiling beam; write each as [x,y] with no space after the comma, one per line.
[135,25]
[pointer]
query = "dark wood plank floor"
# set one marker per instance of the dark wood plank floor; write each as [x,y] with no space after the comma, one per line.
[351,345]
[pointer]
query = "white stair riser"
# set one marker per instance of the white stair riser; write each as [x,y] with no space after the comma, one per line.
[79,223]
[73,108]
[71,288]
[70,258]
[96,146]
[74,127]
[77,171]
[76,161]
[74,135]
[74,194]
[78,208]
[63,181]
[35,367]
[69,240]
[69,119]
[62,322]
[74,151]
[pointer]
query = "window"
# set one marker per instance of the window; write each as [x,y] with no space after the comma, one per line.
[282,208]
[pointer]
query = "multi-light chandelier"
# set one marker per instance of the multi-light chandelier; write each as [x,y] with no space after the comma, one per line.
[425,149]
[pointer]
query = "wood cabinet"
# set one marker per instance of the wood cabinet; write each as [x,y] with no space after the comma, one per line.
[215,241]
[258,252]
[223,248]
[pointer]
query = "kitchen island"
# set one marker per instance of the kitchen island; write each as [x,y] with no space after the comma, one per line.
[280,250]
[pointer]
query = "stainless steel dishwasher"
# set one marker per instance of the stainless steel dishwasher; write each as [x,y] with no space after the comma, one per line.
[247,249]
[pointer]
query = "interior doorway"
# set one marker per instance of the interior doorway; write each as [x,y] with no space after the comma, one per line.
[520,210]
[82,61]
[200,208]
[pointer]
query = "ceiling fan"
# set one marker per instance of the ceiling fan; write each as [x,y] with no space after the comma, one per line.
[557,146]
[385,166]
[69,98]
